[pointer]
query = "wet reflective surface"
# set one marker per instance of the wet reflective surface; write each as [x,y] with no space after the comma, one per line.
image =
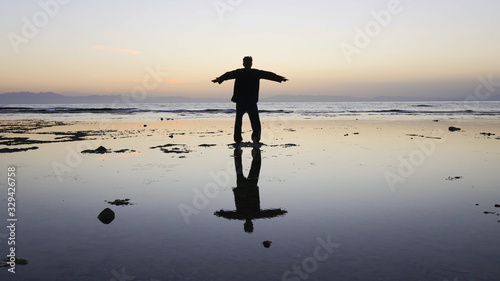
[325,204]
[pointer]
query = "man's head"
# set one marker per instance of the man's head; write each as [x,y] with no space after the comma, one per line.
[248,226]
[247,62]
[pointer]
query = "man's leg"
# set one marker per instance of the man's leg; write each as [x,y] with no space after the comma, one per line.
[253,113]
[255,167]
[240,110]
[238,166]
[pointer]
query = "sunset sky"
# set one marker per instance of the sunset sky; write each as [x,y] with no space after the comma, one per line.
[407,48]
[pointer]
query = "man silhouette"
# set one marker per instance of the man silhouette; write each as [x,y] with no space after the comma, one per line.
[246,96]
[246,194]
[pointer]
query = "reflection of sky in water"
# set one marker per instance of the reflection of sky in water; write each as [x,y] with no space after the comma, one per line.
[283,110]
[333,186]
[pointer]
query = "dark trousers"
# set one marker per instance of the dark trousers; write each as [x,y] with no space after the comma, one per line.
[253,114]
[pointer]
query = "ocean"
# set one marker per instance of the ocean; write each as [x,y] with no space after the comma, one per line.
[291,110]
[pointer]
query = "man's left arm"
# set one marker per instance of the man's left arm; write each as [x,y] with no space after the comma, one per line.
[272,76]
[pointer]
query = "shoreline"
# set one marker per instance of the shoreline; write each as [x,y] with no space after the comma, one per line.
[23,135]
[289,111]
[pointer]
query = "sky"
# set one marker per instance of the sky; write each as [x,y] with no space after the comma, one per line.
[358,48]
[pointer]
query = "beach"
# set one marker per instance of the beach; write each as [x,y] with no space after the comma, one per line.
[334,199]
[370,145]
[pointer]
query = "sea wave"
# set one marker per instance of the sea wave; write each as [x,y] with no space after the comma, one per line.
[128,110]
[58,110]
[227,110]
[426,112]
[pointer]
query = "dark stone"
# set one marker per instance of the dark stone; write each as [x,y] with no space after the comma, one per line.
[453,129]
[172,148]
[206,145]
[124,150]
[106,216]
[21,141]
[12,150]
[487,134]
[18,261]
[120,202]
[286,145]
[267,243]
[101,149]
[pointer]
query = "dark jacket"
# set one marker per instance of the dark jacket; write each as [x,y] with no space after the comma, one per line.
[246,85]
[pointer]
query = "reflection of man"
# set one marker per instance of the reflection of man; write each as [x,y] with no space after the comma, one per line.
[246,194]
[246,95]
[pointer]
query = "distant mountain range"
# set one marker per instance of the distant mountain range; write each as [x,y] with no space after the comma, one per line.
[324,98]
[54,98]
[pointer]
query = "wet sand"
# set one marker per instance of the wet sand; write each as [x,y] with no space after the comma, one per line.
[334,200]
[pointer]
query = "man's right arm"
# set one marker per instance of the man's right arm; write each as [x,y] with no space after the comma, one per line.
[226,76]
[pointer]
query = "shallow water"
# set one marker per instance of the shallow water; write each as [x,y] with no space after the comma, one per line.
[332,188]
[283,110]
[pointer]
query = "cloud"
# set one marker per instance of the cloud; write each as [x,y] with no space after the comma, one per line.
[136,80]
[127,51]
[99,47]
[106,48]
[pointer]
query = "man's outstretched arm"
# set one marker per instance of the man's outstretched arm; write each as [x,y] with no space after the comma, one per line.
[272,76]
[226,76]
